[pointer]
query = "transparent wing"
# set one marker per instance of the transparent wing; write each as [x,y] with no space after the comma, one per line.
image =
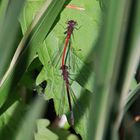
[62,103]
[72,58]
[68,58]
[77,108]
[57,56]
[76,103]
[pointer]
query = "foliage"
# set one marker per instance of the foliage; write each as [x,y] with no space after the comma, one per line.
[105,56]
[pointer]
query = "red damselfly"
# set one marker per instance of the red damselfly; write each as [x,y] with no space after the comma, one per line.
[65,66]
[66,49]
[71,26]
[65,75]
[74,106]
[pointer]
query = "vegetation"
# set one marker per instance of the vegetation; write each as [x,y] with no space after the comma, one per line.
[104,73]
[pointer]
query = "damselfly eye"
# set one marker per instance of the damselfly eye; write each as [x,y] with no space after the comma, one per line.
[72,23]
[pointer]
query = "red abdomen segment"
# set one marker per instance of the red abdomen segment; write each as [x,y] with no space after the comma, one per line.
[70,28]
[64,50]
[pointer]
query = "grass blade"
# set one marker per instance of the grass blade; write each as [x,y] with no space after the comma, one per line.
[8,29]
[107,68]
[132,61]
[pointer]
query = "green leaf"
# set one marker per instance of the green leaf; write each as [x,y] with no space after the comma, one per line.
[28,124]
[89,22]
[81,109]
[8,28]
[64,134]
[10,120]
[18,124]
[72,137]
[43,133]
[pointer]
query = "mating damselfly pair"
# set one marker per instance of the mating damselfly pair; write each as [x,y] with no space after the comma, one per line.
[65,64]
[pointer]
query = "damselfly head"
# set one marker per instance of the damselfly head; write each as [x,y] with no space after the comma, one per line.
[64,67]
[72,23]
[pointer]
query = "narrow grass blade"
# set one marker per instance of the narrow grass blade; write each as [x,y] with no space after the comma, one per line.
[3,7]
[107,52]
[8,29]
[132,60]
